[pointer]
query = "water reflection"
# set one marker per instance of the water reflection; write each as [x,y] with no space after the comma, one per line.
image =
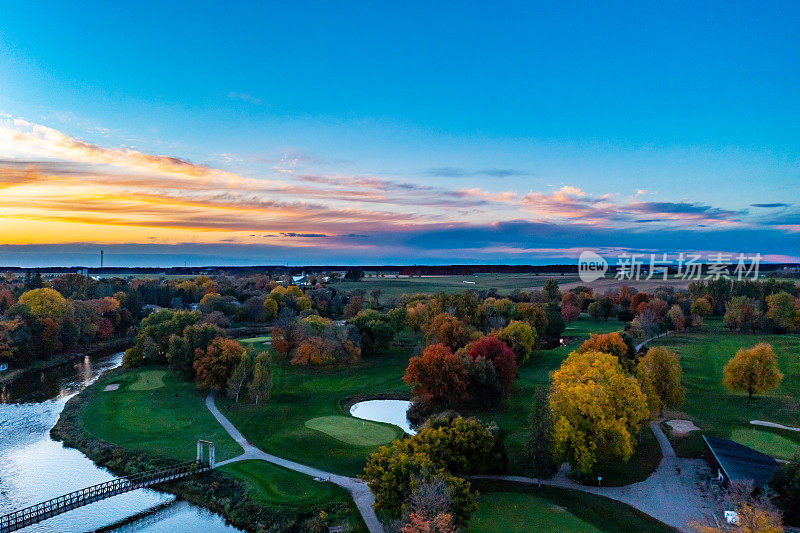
[34,468]
[389,411]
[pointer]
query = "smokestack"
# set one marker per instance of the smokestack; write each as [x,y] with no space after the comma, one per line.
[101,258]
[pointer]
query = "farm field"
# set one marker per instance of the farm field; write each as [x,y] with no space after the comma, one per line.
[725,414]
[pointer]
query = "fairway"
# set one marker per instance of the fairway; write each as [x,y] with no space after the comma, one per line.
[715,409]
[508,511]
[354,430]
[766,442]
[274,485]
[149,380]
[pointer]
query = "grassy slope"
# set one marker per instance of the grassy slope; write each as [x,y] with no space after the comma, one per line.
[599,512]
[715,409]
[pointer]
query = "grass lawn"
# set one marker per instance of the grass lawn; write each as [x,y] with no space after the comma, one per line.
[508,511]
[715,409]
[165,422]
[149,380]
[644,462]
[767,442]
[274,485]
[301,394]
[355,431]
[259,343]
[537,509]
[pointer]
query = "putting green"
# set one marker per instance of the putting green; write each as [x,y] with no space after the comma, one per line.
[766,442]
[354,430]
[149,380]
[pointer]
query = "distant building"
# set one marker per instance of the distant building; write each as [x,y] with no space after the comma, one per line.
[300,280]
[731,461]
[150,308]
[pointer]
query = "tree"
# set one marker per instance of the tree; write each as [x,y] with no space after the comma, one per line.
[270,308]
[313,350]
[611,343]
[659,372]
[45,302]
[701,307]
[551,290]
[520,337]
[539,442]
[786,484]
[569,312]
[500,355]
[484,387]
[597,410]
[261,385]
[437,377]
[755,512]
[753,370]
[595,310]
[448,330]
[742,314]
[780,309]
[676,318]
[158,327]
[181,349]
[429,508]
[239,376]
[214,365]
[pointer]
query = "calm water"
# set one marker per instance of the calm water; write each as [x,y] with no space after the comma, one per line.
[389,411]
[34,468]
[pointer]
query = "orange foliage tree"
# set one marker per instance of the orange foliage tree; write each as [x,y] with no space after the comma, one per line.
[437,377]
[214,365]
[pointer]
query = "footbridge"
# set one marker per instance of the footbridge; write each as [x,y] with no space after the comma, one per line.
[79,498]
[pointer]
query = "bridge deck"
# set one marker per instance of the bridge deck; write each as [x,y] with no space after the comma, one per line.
[79,498]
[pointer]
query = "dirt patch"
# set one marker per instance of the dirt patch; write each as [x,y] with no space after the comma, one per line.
[681,427]
[109,388]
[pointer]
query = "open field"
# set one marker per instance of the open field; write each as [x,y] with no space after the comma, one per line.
[165,422]
[395,287]
[720,412]
[353,430]
[539,509]
[149,380]
[603,285]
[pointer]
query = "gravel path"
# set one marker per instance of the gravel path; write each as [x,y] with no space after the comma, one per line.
[358,489]
[672,494]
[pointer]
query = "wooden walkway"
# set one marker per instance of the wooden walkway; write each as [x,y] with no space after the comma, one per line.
[79,498]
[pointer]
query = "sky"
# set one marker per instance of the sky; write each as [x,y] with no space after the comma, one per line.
[396,133]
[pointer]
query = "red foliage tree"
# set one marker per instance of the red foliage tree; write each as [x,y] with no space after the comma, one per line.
[570,312]
[438,377]
[500,355]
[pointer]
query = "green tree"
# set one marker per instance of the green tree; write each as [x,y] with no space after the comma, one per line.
[270,308]
[240,375]
[753,370]
[158,327]
[551,290]
[659,372]
[539,442]
[520,337]
[780,309]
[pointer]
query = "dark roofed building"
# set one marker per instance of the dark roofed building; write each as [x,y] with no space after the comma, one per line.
[731,461]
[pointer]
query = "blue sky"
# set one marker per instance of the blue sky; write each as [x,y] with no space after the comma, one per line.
[658,123]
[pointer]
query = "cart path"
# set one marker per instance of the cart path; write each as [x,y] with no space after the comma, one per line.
[672,494]
[359,490]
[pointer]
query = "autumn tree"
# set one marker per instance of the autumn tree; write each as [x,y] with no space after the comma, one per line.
[597,410]
[701,307]
[429,507]
[45,302]
[181,348]
[500,355]
[437,377]
[214,365]
[781,310]
[240,376]
[570,312]
[742,314]
[447,330]
[754,370]
[261,384]
[270,308]
[610,343]
[659,372]
[520,337]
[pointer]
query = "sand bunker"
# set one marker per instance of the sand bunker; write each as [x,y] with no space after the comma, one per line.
[113,386]
[682,427]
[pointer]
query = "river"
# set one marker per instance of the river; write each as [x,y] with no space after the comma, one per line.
[34,467]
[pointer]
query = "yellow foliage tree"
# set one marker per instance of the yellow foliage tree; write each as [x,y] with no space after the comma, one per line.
[597,410]
[659,372]
[45,302]
[754,370]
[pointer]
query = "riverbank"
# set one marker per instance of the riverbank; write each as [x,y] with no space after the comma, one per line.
[234,495]
[97,349]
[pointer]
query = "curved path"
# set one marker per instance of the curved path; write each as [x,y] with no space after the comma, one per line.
[358,489]
[672,494]
[773,425]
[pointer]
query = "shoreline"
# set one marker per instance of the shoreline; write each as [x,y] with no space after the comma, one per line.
[216,491]
[105,348]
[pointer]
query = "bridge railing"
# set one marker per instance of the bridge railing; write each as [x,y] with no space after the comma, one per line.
[67,502]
